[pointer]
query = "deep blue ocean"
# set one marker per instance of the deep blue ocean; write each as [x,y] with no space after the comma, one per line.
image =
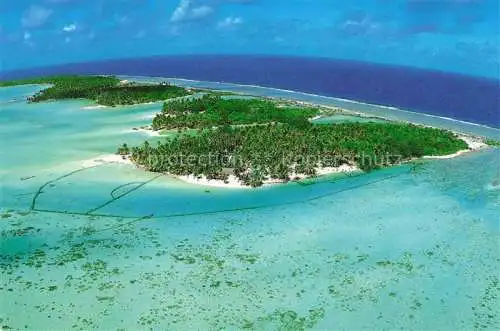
[466,98]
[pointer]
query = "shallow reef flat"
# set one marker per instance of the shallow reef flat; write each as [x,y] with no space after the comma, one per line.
[319,264]
[114,247]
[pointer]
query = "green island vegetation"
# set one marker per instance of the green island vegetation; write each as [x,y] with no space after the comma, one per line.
[283,146]
[104,90]
[213,110]
[254,139]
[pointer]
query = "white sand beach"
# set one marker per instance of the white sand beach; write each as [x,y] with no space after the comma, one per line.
[474,144]
[107,158]
[234,182]
[94,107]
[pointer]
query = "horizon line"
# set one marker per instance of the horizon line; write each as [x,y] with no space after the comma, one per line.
[257,56]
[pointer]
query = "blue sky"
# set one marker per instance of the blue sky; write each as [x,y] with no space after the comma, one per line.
[449,35]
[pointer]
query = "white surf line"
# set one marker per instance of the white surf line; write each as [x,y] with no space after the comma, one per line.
[316,95]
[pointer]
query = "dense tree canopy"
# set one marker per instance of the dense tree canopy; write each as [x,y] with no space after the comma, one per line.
[281,151]
[253,139]
[210,110]
[105,90]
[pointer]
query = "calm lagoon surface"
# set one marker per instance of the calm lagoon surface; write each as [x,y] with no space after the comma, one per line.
[109,246]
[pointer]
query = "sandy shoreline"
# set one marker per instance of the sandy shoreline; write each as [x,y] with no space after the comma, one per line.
[94,107]
[106,158]
[233,182]
[474,144]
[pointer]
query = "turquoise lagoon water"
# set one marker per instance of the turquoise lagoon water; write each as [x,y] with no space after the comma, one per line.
[113,247]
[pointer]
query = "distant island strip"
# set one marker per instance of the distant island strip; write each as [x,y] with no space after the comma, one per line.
[240,140]
[104,90]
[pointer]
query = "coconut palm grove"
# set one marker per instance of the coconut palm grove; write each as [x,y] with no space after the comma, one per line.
[249,165]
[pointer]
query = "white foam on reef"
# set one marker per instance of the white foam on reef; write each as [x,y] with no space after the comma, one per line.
[316,95]
[443,118]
